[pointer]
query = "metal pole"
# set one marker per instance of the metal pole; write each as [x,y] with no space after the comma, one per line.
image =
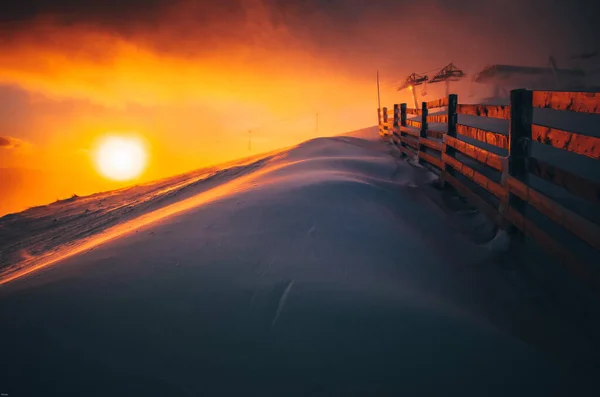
[378,95]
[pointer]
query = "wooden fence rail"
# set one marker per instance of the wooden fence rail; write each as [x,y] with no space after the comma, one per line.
[464,166]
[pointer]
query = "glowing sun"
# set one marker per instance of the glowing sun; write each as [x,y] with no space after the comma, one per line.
[120,158]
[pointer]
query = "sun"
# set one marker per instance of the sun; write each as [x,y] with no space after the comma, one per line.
[120,158]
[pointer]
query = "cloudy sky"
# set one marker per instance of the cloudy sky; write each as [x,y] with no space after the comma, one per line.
[192,77]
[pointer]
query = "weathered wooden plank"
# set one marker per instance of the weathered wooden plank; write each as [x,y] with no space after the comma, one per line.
[437,103]
[407,151]
[413,123]
[435,134]
[575,184]
[483,156]
[416,112]
[396,139]
[493,111]
[576,224]
[431,159]
[412,142]
[480,179]
[585,102]
[439,146]
[473,198]
[438,118]
[489,137]
[554,247]
[408,131]
[570,141]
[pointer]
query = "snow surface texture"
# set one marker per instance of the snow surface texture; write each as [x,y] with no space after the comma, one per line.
[331,268]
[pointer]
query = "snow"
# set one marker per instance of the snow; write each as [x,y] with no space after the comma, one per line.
[329,268]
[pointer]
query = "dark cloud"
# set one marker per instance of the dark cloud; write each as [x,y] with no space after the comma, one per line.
[551,22]
[353,37]
[24,10]
[8,142]
[575,13]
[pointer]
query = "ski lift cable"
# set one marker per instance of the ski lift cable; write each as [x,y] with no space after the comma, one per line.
[429,71]
[425,72]
[397,81]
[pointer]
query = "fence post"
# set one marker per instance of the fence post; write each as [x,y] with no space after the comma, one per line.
[403,114]
[424,111]
[402,122]
[394,124]
[519,145]
[385,120]
[424,127]
[379,121]
[451,132]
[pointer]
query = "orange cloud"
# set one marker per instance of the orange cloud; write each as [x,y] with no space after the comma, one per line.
[248,58]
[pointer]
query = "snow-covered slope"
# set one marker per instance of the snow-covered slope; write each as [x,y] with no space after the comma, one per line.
[324,269]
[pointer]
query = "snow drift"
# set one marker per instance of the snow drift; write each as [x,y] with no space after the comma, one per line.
[331,268]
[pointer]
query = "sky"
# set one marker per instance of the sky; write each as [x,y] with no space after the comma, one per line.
[191,78]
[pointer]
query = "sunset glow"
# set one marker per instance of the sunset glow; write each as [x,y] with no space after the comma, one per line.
[196,76]
[120,158]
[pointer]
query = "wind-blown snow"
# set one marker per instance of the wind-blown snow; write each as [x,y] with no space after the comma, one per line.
[331,268]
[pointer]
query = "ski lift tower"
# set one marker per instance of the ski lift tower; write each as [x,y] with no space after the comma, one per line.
[448,73]
[410,83]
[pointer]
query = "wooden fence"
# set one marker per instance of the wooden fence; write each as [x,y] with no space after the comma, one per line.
[495,176]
